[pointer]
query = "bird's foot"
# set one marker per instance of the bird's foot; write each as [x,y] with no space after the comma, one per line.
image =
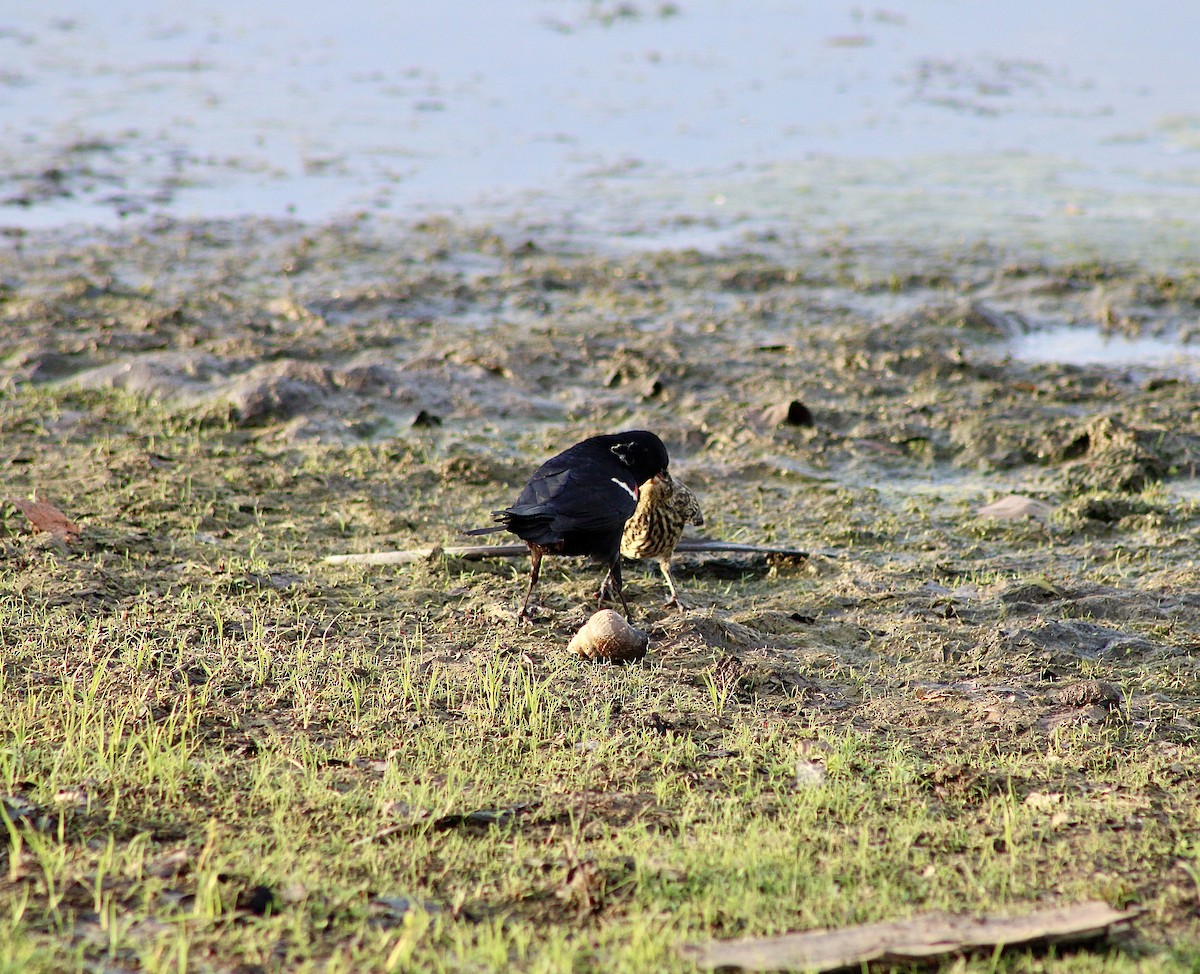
[613,602]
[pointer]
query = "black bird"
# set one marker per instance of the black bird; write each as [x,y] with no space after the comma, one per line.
[577,503]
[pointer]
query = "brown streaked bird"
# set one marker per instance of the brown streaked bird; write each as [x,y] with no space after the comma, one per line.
[664,507]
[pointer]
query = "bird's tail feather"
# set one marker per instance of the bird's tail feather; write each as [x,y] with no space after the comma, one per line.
[477,531]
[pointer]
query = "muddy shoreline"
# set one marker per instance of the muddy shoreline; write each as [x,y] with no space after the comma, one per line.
[220,405]
[482,349]
[456,357]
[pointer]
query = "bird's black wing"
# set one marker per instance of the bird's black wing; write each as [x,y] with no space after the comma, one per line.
[575,498]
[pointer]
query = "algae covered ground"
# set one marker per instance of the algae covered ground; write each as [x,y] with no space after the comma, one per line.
[221,753]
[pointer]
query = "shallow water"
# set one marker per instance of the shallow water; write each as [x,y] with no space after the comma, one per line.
[1064,127]
[1089,345]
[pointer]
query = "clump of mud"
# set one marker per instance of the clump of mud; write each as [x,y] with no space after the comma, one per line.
[1116,457]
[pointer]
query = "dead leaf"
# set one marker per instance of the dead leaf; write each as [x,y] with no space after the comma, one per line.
[47,517]
[1014,507]
[922,937]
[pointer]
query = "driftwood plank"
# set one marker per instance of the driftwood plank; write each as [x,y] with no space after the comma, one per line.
[921,938]
[474,552]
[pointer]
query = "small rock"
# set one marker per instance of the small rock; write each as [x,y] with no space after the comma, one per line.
[1089,693]
[259,900]
[793,413]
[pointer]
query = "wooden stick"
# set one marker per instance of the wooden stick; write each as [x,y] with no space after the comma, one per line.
[475,552]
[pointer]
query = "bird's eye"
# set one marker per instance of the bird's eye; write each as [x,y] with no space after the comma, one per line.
[624,452]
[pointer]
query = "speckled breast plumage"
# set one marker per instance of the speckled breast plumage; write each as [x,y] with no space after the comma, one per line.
[664,508]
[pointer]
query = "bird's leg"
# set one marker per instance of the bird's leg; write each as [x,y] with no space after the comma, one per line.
[613,578]
[665,565]
[535,568]
[606,589]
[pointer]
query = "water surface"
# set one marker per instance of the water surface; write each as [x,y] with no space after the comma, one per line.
[1070,126]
